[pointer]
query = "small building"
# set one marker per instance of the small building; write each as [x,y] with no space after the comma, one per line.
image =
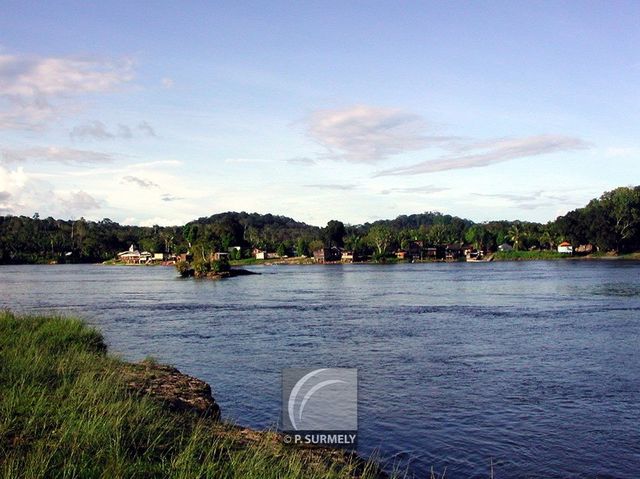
[131,256]
[327,255]
[401,254]
[184,257]
[259,253]
[505,247]
[218,256]
[347,256]
[565,248]
[452,252]
[432,253]
[473,254]
[584,249]
[415,249]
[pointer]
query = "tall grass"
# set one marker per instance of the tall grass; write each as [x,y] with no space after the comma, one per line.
[529,255]
[65,412]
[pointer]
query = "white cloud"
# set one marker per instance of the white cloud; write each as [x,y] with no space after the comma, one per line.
[303,161]
[415,190]
[23,193]
[54,154]
[93,129]
[232,161]
[34,90]
[5,206]
[147,129]
[329,186]
[168,83]
[79,202]
[491,152]
[141,182]
[96,130]
[367,134]
[168,197]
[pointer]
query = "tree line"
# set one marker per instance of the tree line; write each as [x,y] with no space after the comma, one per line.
[609,223]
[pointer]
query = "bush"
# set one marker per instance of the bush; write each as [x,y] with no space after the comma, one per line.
[184,268]
[220,266]
[201,267]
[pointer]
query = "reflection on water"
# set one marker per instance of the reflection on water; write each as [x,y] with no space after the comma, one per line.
[533,366]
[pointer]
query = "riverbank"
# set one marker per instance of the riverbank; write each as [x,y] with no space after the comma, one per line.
[540,255]
[69,409]
[553,255]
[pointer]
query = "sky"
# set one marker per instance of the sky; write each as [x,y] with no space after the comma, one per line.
[162,112]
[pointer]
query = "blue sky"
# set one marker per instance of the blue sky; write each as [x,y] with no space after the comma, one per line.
[161,112]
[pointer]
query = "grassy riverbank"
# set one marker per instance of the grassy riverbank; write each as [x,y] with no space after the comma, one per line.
[67,409]
[546,255]
[529,255]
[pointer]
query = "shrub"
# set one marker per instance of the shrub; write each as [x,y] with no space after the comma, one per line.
[220,266]
[201,267]
[183,267]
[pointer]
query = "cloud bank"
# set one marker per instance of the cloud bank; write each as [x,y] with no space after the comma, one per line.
[415,190]
[492,152]
[34,90]
[96,130]
[54,154]
[367,134]
[338,187]
[142,183]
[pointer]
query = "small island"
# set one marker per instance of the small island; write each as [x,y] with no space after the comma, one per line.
[215,266]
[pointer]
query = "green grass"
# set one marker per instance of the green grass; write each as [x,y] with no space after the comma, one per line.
[247,261]
[254,261]
[65,412]
[529,255]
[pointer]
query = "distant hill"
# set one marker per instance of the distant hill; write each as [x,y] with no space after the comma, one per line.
[610,223]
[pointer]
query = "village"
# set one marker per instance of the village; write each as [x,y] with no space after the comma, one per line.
[415,251]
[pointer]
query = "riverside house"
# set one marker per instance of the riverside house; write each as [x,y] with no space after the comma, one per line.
[347,256]
[565,247]
[415,249]
[133,256]
[452,252]
[259,253]
[327,255]
[433,254]
[505,247]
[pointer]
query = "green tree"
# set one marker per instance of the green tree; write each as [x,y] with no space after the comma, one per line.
[623,205]
[515,235]
[315,245]
[380,236]
[435,234]
[334,233]
[478,236]
[302,247]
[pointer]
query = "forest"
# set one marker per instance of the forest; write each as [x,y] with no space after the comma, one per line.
[611,223]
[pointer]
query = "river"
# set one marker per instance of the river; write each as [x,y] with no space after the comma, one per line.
[533,367]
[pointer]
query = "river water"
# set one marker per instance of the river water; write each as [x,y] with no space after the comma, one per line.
[533,367]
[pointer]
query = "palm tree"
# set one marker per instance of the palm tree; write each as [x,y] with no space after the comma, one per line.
[515,235]
[546,239]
